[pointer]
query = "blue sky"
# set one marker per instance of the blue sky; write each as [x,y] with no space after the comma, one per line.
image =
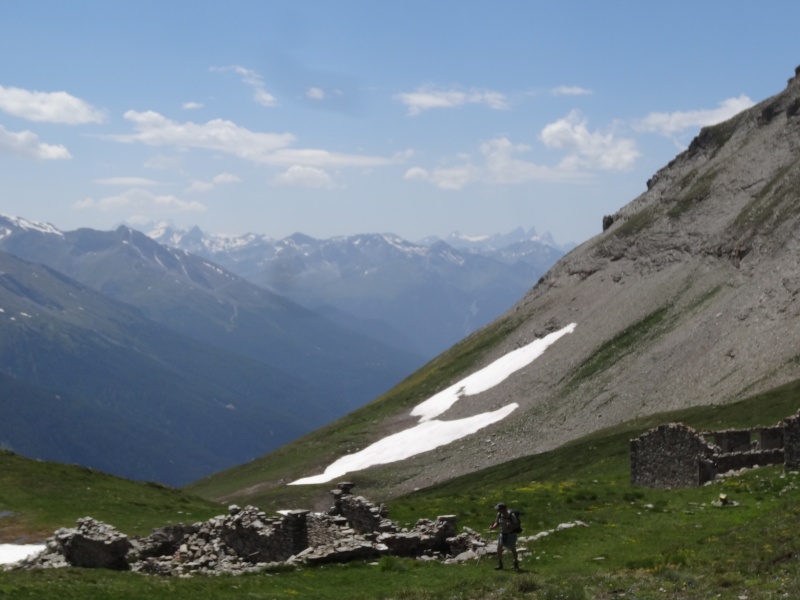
[340,117]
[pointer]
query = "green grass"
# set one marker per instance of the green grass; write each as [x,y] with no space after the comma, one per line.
[45,496]
[641,542]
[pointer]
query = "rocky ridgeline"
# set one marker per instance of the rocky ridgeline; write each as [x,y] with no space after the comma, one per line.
[247,540]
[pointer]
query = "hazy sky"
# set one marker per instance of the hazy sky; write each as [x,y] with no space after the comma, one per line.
[340,117]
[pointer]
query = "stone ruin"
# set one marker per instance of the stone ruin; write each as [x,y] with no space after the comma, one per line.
[247,540]
[675,455]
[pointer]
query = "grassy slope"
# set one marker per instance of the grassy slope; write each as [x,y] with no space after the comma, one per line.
[639,542]
[45,496]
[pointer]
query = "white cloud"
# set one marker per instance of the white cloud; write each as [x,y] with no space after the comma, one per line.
[503,167]
[49,107]
[140,200]
[192,105]
[199,185]
[315,93]
[427,97]
[27,144]
[302,176]
[218,134]
[589,150]
[225,136]
[224,178]
[669,124]
[447,178]
[126,181]
[501,164]
[288,157]
[254,80]
[570,90]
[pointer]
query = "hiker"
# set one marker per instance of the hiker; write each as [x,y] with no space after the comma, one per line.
[508,522]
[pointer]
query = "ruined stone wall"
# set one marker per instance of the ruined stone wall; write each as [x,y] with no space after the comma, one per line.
[669,456]
[771,437]
[362,515]
[791,442]
[674,455]
[248,533]
[732,440]
[732,461]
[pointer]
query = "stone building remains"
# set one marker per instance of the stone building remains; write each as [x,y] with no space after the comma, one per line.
[675,455]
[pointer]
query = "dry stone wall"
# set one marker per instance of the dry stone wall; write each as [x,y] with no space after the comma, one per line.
[668,456]
[675,455]
[246,539]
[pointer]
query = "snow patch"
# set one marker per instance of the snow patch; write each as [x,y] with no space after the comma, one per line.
[488,377]
[432,433]
[11,553]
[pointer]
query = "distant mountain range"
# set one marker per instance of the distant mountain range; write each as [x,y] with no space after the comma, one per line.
[423,296]
[152,363]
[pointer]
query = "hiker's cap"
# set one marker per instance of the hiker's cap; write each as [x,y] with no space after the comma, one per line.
[500,505]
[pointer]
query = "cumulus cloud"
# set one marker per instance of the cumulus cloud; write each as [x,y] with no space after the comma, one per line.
[589,150]
[225,136]
[218,134]
[27,144]
[192,105]
[139,200]
[428,97]
[447,178]
[225,178]
[126,181]
[48,107]
[570,90]
[301,176]
[503,166]
[254,80]
[315,93]
[669,124]
[503,163]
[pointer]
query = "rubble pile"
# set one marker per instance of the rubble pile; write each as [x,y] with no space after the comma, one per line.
[247,540]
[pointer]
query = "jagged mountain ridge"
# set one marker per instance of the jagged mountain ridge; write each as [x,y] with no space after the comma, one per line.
[427,296]
[203,301]
[690,296]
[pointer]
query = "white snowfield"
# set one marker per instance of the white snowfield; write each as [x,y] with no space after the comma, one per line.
[11,553]
[432,433]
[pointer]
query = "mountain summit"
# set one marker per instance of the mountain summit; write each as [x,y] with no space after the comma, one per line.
[690,296]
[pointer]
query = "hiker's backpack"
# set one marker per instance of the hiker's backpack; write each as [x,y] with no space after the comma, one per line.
[515,516]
